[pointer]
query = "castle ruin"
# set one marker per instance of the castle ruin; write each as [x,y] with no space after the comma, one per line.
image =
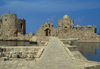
[66,29]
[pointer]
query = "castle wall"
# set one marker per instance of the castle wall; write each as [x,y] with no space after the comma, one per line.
[79,32]
[86,28]
[66,29]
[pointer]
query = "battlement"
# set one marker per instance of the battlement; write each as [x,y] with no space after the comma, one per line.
[5,15]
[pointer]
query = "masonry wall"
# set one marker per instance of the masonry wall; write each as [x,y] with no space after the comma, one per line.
[10,25]
[80,34]
[0,27]
[46,29]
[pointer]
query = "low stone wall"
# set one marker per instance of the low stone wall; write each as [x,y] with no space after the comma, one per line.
[42,40]
[21,52]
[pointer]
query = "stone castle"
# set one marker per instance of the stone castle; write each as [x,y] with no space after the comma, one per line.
[10,25]
[66,29]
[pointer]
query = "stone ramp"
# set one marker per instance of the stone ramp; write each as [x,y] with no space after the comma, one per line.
[55,57]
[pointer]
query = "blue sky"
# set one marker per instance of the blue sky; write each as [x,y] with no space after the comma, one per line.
[37,12]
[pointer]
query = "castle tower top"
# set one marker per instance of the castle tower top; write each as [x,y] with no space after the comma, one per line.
[8,15]
[65,17]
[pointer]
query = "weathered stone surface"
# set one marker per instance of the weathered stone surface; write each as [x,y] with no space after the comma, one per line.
[46,29]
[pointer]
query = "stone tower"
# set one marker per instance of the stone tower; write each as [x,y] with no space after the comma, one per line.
[65,23]
[9,25]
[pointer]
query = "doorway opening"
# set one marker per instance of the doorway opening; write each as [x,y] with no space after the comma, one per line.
[47,32]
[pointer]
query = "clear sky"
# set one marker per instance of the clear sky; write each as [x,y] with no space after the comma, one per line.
[37,12]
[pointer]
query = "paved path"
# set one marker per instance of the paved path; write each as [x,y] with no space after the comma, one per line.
[55,57]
